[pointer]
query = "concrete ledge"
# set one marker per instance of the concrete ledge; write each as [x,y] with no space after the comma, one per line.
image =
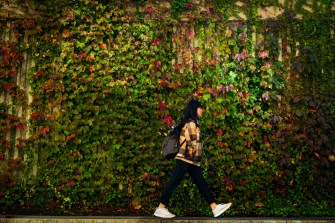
[112,219]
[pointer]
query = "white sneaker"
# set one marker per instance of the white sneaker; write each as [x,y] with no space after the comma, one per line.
[163,213]
[220,208]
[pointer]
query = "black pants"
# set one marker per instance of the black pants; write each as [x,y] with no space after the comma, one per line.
[180,169]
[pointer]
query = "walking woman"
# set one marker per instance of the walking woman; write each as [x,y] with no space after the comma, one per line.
[188,161]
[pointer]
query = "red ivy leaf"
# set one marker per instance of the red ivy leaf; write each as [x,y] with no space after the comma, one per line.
[71,183]
[33,115]
[10,56]
[4,50]
[45,130]
[163,83]
[214,91]
[155,42]
[177,66]
[8,87]
[20,126]
[82,56]
[161,105]
[230,187]
[243,182]
[219,132]
[150,9]
[168,120]
[189,6]
[263,54]
[190,34]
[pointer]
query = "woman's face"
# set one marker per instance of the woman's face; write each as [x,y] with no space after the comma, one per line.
[199,112]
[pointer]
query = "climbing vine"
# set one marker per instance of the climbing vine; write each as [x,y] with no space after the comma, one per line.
[108,83]
[12,126]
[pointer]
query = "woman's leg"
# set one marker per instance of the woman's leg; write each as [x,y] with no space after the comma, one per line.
[177,176]
[199,180]
[202,185]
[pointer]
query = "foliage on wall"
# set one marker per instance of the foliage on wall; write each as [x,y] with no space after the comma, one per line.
[106,88]
[12,126]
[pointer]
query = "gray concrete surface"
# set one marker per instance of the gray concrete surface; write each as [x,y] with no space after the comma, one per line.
[110,219]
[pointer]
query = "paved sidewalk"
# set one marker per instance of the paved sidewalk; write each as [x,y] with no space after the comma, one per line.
[111,219]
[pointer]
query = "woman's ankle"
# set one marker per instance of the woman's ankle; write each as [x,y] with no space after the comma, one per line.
[161,205]
[213,206]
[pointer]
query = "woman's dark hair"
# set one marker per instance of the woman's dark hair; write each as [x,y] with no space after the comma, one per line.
[190,112]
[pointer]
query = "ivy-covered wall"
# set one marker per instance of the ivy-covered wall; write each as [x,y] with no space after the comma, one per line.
[89,88]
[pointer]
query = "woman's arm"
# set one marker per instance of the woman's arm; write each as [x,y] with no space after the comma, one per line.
[191,136]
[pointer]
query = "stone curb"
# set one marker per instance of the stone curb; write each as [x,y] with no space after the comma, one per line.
[111,219]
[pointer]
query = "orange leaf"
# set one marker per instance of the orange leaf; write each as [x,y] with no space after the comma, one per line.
[137,207]
[103,46]
[259,204]
[289,126]
[230,187]
[45,130]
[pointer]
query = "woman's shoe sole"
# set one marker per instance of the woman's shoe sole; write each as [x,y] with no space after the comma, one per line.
[163,216]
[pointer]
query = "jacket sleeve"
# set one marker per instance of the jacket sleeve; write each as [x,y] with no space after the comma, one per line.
[191,137]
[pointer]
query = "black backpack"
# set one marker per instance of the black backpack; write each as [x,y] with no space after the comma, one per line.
[171,145]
